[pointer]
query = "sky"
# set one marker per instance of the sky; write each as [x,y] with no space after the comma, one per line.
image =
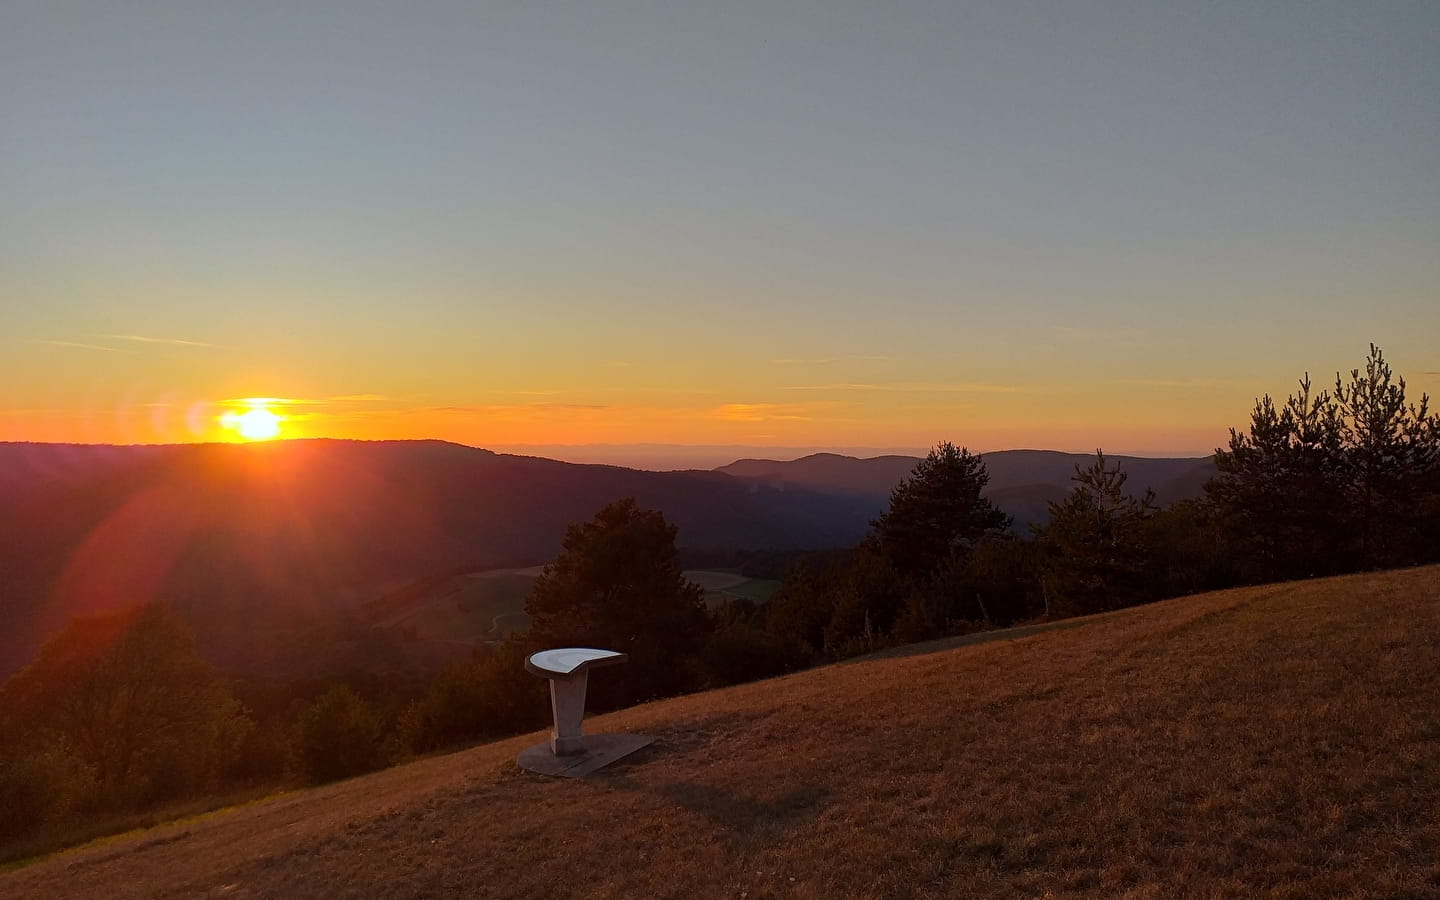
[807,225]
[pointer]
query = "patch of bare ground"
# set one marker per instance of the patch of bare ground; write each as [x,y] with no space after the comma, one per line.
[1280,742]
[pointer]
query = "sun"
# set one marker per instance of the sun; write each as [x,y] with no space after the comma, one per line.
[257,423]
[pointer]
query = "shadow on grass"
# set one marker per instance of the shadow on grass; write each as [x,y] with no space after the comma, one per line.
[979,637]
[744,818]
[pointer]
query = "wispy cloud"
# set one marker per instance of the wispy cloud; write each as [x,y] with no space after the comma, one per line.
[335,399]
[361,398]
[26,413]
[127,338]
[334,406]
[919,387]
[269,401]
[549,406]
[143,339]
[825,360]
[79,345]
[1184,382]
[510,407]
[760,412]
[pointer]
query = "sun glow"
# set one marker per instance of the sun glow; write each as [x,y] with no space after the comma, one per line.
[257,422]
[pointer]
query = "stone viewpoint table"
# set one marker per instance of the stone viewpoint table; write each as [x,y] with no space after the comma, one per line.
[570,753]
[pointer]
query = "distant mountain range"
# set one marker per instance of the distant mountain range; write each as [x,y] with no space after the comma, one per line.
[1022,482]
[257,543]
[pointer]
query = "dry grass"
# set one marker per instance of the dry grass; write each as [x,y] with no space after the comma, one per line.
[106,828]
[1280,742]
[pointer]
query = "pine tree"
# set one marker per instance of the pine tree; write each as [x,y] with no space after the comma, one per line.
[1391,446]
[937,512]
[1098,539]
[1278,487]
[617,585]
[1331,482]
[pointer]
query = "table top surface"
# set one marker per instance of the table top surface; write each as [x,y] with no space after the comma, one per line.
[568,660]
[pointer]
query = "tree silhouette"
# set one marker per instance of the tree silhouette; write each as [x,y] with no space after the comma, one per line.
[1330,482]
[1391,446]
[936,512]
[1098,538]
[129,694]
[617,585]
[1279,486]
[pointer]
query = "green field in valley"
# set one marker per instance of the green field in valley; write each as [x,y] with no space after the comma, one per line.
[475,607]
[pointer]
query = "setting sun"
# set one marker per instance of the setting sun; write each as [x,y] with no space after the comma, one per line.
[258,423]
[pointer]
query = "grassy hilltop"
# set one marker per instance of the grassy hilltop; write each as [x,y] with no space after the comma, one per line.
[1279,741]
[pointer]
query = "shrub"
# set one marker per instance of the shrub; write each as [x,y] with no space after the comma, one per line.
[338,736]
[741,653]
[41,785]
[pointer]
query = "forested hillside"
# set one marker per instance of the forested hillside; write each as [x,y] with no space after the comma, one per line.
[254,542]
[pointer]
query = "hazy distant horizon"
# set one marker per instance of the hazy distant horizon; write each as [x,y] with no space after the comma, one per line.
[670,457]
[664,457]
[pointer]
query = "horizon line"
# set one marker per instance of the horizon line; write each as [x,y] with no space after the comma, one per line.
[506,448]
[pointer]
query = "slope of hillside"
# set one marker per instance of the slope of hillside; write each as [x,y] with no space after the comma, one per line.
[256,542]
[1280,741]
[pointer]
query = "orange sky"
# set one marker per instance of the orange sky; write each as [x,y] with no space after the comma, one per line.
[1076,391]
[781,227]
[621,406]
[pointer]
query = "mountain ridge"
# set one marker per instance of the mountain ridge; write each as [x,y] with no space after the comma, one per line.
[1022,482]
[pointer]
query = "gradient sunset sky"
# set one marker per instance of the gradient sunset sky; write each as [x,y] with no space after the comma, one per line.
[785,224]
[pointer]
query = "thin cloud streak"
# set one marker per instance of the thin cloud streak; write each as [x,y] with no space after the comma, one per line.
[143,339]
[919,387]
[361,398]
[269,401]
[507,407]
[759,412]
[83,346]
[826,360]
[1185,382]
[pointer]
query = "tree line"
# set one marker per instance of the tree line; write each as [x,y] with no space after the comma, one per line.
[1325,482]
[119,714]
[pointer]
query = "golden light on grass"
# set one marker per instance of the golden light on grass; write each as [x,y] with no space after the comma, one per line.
[256,421]
[1259,742]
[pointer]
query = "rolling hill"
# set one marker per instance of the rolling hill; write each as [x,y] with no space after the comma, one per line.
[1281,741]
[258,544]
[1022,482]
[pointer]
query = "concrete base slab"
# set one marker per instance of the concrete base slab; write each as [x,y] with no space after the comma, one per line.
[600,751]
